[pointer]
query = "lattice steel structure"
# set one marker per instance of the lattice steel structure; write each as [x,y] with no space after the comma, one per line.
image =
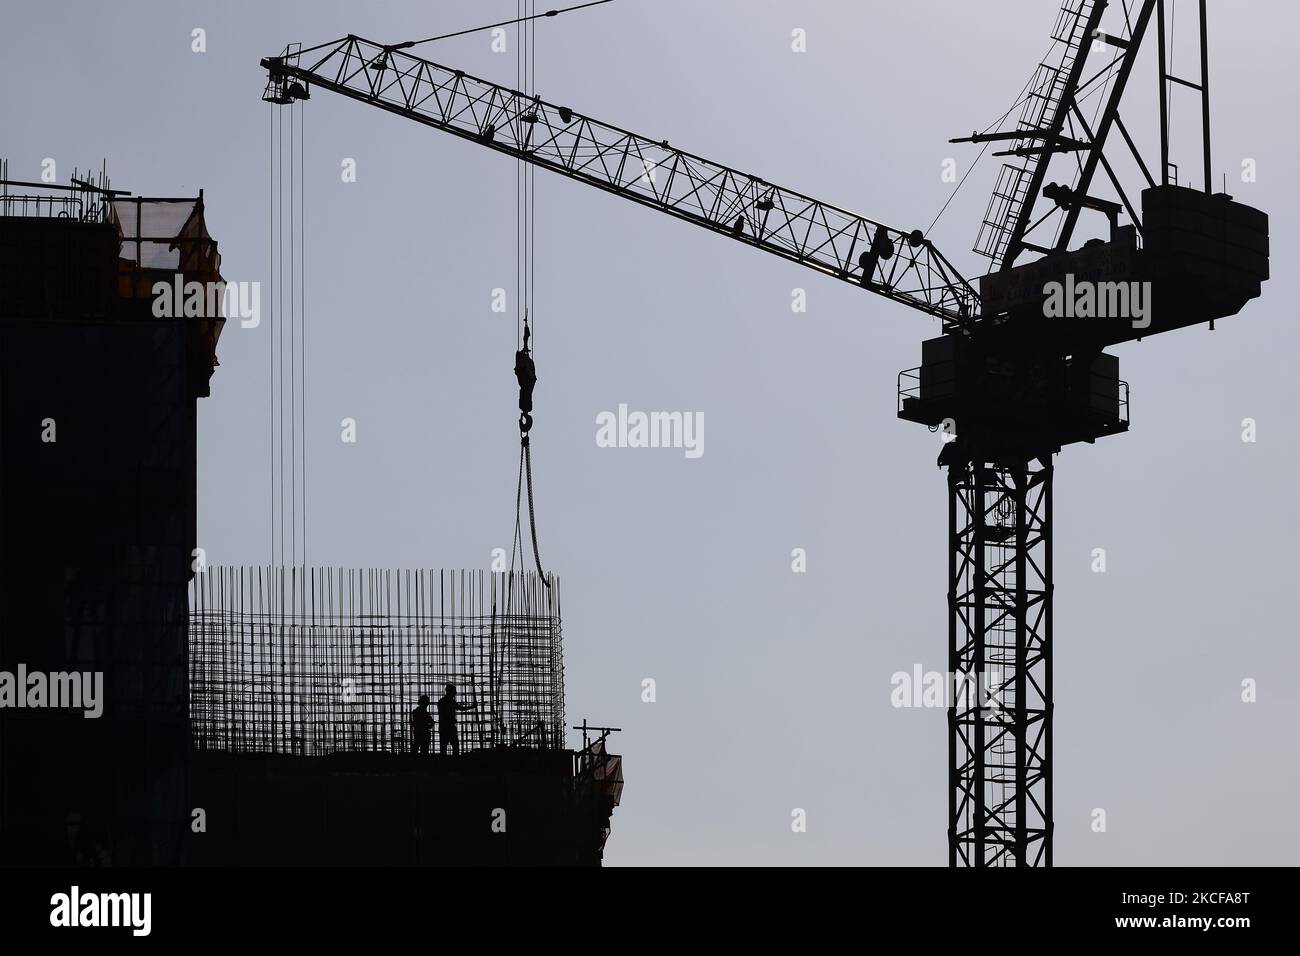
[325,660]
[1010,381]
[1000,653]
[899,265]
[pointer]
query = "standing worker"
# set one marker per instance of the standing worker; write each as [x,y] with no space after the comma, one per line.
[447,708]
[422,726]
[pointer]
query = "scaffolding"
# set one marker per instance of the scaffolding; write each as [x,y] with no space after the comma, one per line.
[313,661]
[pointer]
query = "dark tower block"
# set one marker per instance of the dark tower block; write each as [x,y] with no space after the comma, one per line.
[97,521]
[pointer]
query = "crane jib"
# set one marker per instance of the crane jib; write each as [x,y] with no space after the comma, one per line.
[900,265]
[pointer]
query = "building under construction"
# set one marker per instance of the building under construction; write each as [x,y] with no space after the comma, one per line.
[97,515]
[248,715]
[303,684]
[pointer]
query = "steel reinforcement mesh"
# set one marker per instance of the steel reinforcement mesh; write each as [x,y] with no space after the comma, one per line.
[323,660]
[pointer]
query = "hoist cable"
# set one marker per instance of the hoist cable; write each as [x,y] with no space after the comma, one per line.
[293,378]
[525,371]
[279,323]
[532,517]
[517,542]
[1021,97]
[504,23]
[302,315]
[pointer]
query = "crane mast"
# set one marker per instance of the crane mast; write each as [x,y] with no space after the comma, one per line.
[1008,382]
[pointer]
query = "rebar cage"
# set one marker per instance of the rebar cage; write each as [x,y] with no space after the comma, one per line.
[310,661]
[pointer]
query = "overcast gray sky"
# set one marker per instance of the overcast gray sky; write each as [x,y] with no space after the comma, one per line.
[772,687]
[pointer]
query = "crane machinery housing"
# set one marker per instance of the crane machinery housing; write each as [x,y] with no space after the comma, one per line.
[1011,380]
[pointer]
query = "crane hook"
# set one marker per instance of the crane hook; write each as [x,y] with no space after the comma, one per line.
[526,375]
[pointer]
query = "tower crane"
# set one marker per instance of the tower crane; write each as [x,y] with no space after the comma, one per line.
[1010,380]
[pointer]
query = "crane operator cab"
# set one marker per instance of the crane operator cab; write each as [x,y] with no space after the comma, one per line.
[1031,373]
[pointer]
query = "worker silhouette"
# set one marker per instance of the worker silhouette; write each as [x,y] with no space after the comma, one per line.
[447,707]
[421,726]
